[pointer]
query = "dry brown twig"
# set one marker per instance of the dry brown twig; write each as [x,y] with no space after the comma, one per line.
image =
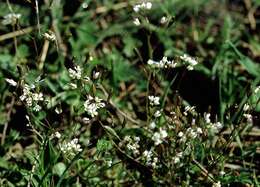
[16,33]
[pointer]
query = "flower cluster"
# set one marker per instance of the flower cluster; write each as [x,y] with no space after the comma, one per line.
[257,89]
[70,148]
[154,100]
[137,22]
[143,6]
[157,113]
[55,135]
[11,82]
[246,107]
[152,125]
[49,36]
[31,99]
[249,118]
[91,105]
[132,144]
[216,184]
[213,127]
[190,134]
[150,159]
[191,61]
[177,157]
[163,63]
[163,20]
[189,109]
[193,132]
[11,19]
[158,137]
[75,73]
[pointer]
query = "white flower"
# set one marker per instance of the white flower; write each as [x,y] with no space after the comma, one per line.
[192,133]
[73,85]
[92,105]
[37,96]
[143,6]
[11,19]
[70,148]
[37,108]
[154,163]
[158,137]
[85,120]
[180,134]
[49,36]
[249,118]
[157,114]
[31,98]
[216,184]
[163,20]
[246,107]
[127,139]
[191,61]
[137,22]
[152,125]
[58,110]
[75,73]
[11,82]
[215,127]
[96,75]
[176,160]
[150,160]
[207,117]
[189,109]
[148,156]
[136,8]
[132,144]
[163,133]
[257,89]
[148,5]
[154,100]
[163,63]
[29,101]
[56,135]
[199,130]
[219,125]
[109,163]
[84,5]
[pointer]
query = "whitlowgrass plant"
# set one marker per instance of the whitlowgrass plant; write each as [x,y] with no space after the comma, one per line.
[90,124]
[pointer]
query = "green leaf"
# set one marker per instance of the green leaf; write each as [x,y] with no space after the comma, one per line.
[103,145]
[246,62]
[4,163]
[250,66]
[59,168]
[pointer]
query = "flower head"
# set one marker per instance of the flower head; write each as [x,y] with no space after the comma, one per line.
[70,148]
[11,19]
[158,137]
[191,61]
[143,6]
[91,105]
[154,100]
[75,73]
